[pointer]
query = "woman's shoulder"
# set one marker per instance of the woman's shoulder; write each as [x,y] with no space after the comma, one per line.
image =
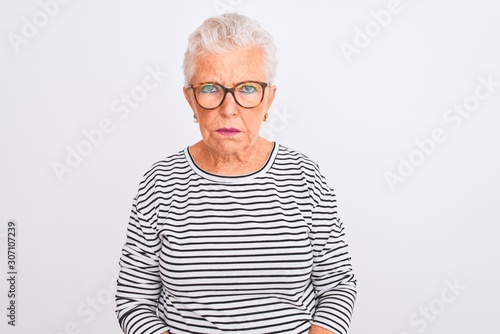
[178,158]
[169,167]
[287,155]
[298,161]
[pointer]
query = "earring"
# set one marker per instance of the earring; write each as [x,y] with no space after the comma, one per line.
[266,117]
[195,119]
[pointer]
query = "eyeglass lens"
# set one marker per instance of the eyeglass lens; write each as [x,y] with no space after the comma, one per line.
[211,95]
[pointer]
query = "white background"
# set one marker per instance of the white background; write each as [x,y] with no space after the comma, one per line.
[357,116]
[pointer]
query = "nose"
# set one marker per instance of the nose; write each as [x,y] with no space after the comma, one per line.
[229,107]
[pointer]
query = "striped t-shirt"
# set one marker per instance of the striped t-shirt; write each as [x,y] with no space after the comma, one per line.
[256,253]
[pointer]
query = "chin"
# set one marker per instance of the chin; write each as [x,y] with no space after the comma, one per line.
[228,145]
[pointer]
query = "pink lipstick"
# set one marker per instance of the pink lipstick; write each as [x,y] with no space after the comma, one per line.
[228,131]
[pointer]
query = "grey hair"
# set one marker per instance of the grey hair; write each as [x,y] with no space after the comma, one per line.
[228,32]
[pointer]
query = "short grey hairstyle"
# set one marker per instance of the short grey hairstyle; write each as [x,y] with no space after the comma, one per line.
[228,32]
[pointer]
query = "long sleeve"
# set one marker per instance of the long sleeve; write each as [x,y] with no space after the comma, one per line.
[139,283]
[332,276]
[255,254]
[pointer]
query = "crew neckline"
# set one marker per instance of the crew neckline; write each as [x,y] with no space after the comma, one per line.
[232,178]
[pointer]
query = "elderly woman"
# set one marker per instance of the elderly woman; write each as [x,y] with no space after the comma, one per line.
[234,234]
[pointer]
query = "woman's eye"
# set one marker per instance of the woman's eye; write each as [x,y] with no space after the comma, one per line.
[209,89]
[247,89]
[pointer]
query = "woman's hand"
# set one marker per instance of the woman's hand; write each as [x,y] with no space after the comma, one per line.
[319,330]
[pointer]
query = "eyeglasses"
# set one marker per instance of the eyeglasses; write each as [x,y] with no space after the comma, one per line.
[211,95]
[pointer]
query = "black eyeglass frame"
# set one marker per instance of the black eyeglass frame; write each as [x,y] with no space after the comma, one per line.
[229,90]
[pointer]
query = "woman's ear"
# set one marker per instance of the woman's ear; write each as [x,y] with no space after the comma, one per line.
[269,98]
[188,96]
[272,93]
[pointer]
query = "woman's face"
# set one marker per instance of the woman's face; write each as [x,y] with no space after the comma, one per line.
[229,69]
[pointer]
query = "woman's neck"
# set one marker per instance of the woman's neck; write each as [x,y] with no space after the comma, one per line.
[231,163]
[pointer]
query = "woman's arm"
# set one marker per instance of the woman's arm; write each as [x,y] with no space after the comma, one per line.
[318,330]
[332,275]
[139,284]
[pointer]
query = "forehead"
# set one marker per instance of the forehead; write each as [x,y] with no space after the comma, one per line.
[231,67]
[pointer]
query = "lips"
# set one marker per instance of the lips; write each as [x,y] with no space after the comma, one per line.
[228,131]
